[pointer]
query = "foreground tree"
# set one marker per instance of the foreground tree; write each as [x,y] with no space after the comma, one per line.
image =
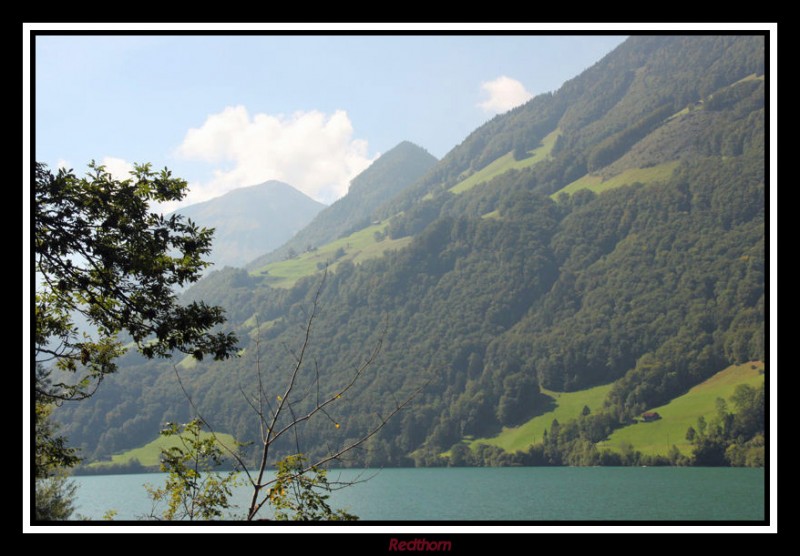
[55,498]
[301,493]
[103,256]
[194,489]
[52,453]
[105,260]
[55,494]
[299,489]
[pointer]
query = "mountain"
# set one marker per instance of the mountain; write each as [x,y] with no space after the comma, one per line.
[250,221]
[656,99]
[390,174]
[609,233]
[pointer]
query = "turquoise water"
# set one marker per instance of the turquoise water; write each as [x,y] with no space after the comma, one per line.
[506,494]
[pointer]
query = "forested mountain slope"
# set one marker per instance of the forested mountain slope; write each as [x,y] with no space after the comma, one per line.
[506,288]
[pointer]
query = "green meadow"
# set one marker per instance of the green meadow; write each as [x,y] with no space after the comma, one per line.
[149,455]
[656,437]
[650,438]
[659,172]
[568,406]
[506,163]
[357,247]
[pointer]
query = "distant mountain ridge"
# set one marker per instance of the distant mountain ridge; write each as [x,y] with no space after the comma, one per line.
[250,221]
[393,172]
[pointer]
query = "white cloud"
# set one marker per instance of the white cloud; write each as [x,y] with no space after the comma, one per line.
[118,168]
[63,164]
[504,94]
[314,152]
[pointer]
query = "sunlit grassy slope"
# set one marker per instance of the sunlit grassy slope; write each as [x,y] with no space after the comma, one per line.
[506,163]
[595,183]
[357,247]
[149,455]
[649,438]
[568,406]
[677,416]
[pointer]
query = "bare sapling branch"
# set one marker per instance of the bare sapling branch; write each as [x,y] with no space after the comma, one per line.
[282,415]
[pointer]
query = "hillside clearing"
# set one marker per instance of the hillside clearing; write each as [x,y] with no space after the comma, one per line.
[568,406]
[506,163]
[595,183]
[149,455]
[681,413]
[356,247]
[649,438]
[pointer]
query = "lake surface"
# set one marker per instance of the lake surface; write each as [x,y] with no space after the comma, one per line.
[505,494]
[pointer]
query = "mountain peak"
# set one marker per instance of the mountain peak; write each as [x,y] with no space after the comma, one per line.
[394,171]
[391,162]
[251,220]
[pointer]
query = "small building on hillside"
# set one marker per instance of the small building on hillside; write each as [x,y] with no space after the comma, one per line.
[650,416]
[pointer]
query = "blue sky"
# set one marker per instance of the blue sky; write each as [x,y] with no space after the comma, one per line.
[314,111]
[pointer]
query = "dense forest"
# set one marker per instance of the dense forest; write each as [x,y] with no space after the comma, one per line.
[511,286]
